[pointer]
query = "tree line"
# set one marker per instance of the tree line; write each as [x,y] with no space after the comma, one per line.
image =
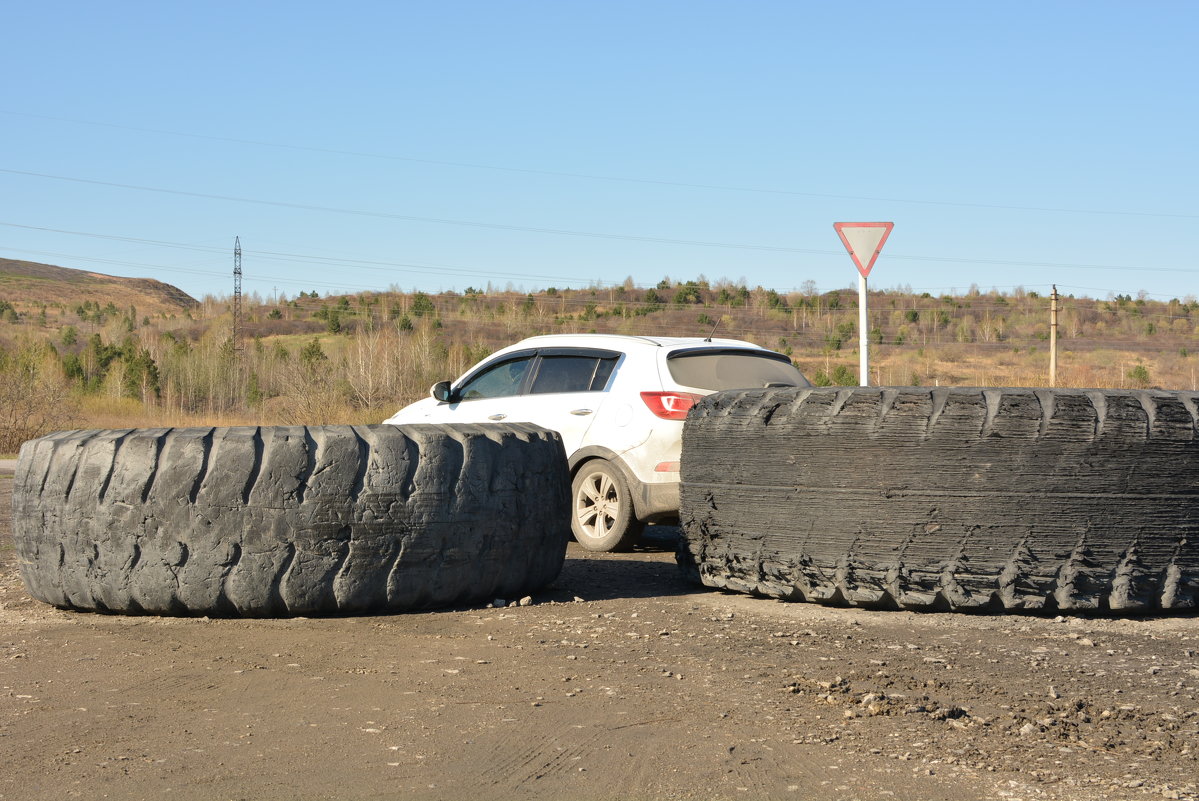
[357,358]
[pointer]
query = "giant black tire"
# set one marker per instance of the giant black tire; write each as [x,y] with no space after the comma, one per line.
[946,499]
[279,521]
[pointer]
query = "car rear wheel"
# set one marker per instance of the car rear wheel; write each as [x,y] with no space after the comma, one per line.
[602,509]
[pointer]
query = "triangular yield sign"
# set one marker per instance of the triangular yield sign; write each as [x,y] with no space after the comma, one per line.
[863,240]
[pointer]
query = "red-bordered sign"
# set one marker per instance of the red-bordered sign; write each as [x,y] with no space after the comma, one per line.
[864,241]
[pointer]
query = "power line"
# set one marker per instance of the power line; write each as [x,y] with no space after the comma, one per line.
[565,232]
[978,303]
[289,280]
[413,218]
[424,269]
[609,178]
[282,279]
[299,258]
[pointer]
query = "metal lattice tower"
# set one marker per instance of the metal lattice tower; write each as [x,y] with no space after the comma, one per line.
[237,292]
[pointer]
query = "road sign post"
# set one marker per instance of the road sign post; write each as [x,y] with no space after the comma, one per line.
[864,241]
[863,335]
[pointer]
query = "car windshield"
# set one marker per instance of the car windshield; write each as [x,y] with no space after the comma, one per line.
[717,370]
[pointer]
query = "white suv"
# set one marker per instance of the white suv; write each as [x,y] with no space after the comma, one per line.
[618,402]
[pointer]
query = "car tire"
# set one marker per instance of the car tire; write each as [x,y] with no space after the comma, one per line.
[602,508]
[946,498]
[289,520]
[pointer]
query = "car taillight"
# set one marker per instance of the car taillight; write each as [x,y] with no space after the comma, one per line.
[670,405]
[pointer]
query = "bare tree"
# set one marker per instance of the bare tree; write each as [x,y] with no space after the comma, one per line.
[34,396]
[365,371]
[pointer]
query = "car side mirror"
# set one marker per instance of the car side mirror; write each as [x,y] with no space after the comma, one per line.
[441,392]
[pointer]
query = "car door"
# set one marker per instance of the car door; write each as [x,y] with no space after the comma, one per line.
[491,394]
[567,391]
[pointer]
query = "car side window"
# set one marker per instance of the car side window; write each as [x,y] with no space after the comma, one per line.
[499,381]
[572,374]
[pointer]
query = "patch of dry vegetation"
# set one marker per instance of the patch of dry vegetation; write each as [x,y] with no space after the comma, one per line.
[32,287]
[356,359]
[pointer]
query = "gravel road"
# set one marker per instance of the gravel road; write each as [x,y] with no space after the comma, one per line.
[621,681]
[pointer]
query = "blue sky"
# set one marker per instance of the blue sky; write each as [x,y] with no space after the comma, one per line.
[439,146]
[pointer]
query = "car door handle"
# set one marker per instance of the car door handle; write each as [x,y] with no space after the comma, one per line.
[496,416]
[581,412]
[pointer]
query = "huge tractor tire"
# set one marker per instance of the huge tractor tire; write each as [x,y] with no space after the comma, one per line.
[280,521]
[946,498]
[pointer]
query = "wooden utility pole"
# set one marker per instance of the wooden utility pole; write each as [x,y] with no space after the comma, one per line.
[1053,337]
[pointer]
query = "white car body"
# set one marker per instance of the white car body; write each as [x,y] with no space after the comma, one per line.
[605,416]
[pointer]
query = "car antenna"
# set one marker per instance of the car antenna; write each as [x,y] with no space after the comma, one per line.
[713,331]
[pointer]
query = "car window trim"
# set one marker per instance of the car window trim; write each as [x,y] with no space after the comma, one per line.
[591,353]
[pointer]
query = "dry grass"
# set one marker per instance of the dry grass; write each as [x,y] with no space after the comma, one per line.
[952,365]
[128,413]
[30,285]
[377,352]
[972,366]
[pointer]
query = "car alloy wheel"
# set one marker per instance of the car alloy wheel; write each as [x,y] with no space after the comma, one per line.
[602,513]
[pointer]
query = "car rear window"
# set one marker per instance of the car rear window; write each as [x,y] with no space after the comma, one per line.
[572,374]
[717,370]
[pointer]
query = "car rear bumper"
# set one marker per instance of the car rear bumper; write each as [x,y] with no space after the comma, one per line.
[653,502]
[656,502]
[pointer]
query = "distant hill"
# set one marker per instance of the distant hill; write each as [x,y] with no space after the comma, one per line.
[27,285]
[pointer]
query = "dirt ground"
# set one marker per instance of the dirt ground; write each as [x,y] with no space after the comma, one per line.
[619,681]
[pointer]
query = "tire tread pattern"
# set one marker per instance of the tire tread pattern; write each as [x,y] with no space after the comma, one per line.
[290,520]
[946,498]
